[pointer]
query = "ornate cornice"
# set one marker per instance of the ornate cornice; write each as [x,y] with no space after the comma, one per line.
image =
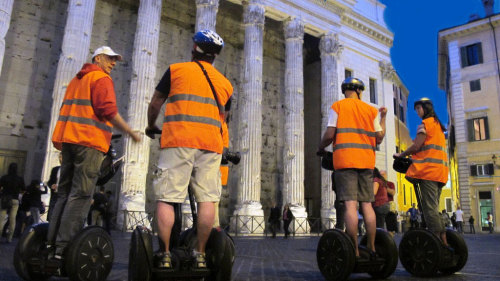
[351,22]
[294,28]
[254,13]
[207,3]
[469,28]
[387,70]
[330,44]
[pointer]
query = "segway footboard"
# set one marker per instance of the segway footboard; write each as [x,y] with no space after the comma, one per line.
[455,261]
[335,255]
[387,256]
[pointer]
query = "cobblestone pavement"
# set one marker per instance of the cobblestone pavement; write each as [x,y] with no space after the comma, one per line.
[263,258]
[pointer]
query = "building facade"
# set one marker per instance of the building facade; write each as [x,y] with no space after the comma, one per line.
[469,72]
[285,58]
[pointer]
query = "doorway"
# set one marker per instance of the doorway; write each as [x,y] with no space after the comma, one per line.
[485,207]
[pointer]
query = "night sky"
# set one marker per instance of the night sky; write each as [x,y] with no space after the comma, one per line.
[415,25]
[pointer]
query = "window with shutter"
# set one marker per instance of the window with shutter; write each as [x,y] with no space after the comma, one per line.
[473,170]
[475,85]
[490,168]
[471,54]
[373,90]
[477,129]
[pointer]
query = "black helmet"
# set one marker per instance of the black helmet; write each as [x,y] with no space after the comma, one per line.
[422,102]
[352,84]
[401,164]
[208,42]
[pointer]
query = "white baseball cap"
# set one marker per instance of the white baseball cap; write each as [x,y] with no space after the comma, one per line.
[107,51]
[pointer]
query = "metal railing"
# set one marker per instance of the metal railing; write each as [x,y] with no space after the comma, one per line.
[245,225]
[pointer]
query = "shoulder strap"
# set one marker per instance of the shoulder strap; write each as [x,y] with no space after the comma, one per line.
[211,85]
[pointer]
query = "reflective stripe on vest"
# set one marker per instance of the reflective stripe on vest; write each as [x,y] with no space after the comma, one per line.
[77,122]
[431,161]
[355,136]
[192,118]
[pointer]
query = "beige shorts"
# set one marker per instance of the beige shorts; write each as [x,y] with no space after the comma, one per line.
[180,166]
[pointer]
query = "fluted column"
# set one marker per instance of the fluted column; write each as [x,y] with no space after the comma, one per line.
[144,58]
[293,187]
[206,14]
[250,131]
[330,49]
[75,51]
[5,14]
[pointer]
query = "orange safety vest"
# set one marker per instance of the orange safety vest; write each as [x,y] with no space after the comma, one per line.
[191,115]
[224,168]
[355,137]
[77,121]
[431,161]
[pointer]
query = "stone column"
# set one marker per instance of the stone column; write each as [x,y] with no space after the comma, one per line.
[330,49]
[5,13]
[75,51]
[206,14]
[250,133]
[144,58]
[293,154]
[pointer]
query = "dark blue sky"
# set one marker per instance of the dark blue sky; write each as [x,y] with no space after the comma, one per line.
[415,24]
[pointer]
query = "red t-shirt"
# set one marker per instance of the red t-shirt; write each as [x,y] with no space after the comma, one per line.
[381,196]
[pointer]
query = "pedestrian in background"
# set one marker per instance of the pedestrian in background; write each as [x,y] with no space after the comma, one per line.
[460,220]
[287,219]
[53,182]
[381,205]
[274,219]
[489,218]
[35,203]
[471,224]
[413,212]
[11,185]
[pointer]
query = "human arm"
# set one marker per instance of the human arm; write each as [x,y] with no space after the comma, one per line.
[153,111]
[376,185]
[381,134]
[391,191]
[415,147]
[326,140]
[118,122]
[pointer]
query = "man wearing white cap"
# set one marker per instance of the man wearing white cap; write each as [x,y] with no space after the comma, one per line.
[83,134]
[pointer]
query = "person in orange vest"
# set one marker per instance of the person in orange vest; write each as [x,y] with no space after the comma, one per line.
[355,128]
[430,164]
[83,134]
[197,96]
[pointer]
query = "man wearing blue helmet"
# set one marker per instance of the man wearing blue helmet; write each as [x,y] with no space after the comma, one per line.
[197,99]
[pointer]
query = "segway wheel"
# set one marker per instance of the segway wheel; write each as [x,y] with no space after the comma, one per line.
[140,255]
[386,248]
[220,255]
[90,256]
[335,255]
[457,242]
[30,245]
[420,252]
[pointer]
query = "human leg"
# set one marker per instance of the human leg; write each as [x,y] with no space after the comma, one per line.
[35,214]
[381,214]
[351,222]
[87,164]
[206,214]
[12,219]
[430,192]
[370,224]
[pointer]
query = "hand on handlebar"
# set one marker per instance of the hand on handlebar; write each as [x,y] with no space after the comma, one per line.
[152,131]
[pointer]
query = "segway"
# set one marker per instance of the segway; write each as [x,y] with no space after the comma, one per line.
[89,256]
[422,252]
[336,254]
[220,253]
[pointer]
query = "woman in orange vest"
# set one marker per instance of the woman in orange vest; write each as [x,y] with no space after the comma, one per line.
[430,164]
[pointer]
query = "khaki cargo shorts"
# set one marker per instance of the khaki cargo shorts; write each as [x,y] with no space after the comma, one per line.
[354,185]
[180,166]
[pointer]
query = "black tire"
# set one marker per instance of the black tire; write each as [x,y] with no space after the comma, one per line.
[140,256]
[30,244]
[386,248]
[457,242]
[220,255]
[335,255]
[420,252]
[90,255]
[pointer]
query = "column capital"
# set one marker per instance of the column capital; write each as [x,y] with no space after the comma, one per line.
[330,44]
[254,12]
[294,28]
[386,69]
[207,3]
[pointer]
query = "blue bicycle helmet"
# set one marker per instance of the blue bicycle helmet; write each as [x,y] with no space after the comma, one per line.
[352,84]
[208,42]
